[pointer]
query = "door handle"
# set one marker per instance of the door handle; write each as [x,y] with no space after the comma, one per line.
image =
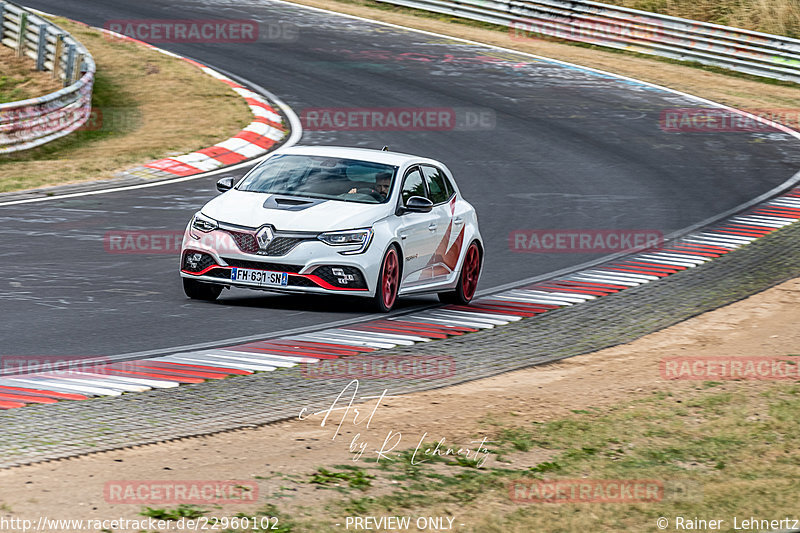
[458,220]
[432,227]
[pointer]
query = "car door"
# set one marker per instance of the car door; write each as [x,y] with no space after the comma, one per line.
[417,232]
[448,235]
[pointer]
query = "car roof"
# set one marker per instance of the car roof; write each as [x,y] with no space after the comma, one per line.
[360,154]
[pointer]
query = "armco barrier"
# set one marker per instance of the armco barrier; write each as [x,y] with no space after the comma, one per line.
[33,122]
[746,51]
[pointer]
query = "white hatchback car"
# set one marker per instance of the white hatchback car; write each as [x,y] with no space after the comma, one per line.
[332,220]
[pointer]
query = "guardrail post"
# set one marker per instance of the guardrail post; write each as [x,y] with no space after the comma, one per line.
[41,51]
[76,67]
[70,65]
[57,54]
[23,27]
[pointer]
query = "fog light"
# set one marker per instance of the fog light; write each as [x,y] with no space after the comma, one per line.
[193,260]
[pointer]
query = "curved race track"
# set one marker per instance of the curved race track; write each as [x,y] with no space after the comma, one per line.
[566,149]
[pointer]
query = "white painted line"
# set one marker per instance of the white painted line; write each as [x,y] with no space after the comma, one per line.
[281,361]
[561,296]
[622,275]
[455,322]
[13,381]
[360,335]
[150,383]
[101,381]
[491,318]
[737,240]
[772,220]
[394,337]
[668,260]
[673,263]
[606,279]
[757,223]
[702,240]
[531,300]
[541,295]
[466,319]
[216,355]
[683,257]
[343,340]
[69,386]
[221,364]
[220,357]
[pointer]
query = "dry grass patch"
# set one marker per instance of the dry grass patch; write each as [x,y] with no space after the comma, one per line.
[20,80]
[703,447]
[779,17]
[150,106]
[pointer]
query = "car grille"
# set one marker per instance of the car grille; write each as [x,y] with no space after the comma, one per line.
[248,243]
[262,265]
[245,241]
[283,245]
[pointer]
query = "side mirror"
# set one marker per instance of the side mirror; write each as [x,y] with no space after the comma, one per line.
[225,184]
[418,204]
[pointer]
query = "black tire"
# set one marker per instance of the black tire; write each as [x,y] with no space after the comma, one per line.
[382,302]
[465,290]
[197,290]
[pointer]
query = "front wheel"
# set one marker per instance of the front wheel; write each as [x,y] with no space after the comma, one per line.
[467,280]
[388,282]
[198,290]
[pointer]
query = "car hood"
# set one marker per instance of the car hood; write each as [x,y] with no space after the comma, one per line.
[247,209]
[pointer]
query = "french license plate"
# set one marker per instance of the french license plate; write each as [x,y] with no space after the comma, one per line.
[262,278]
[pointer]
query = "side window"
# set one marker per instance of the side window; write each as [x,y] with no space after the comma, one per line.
[413,185]
[437,185]
[450,189]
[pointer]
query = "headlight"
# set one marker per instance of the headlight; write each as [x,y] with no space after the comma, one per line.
[203,223]
[359,237]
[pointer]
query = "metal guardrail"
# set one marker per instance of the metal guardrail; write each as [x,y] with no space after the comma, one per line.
[736,49]
[33,122]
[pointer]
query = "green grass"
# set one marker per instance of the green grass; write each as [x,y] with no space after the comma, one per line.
[181,511]
[354,477]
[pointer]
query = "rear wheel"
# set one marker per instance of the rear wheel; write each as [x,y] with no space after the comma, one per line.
[197,290]
[388,282]
[467,279]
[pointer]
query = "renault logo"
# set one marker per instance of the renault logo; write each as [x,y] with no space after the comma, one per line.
[264,236]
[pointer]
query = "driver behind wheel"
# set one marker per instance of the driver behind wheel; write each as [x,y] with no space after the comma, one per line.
[383,183]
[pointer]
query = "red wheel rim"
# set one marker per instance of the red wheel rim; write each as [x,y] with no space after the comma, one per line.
[389,278]
[470,271]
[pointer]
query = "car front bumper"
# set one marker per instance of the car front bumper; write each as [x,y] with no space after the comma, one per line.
[311,265]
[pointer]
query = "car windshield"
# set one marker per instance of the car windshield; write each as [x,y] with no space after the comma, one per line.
[331,178]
